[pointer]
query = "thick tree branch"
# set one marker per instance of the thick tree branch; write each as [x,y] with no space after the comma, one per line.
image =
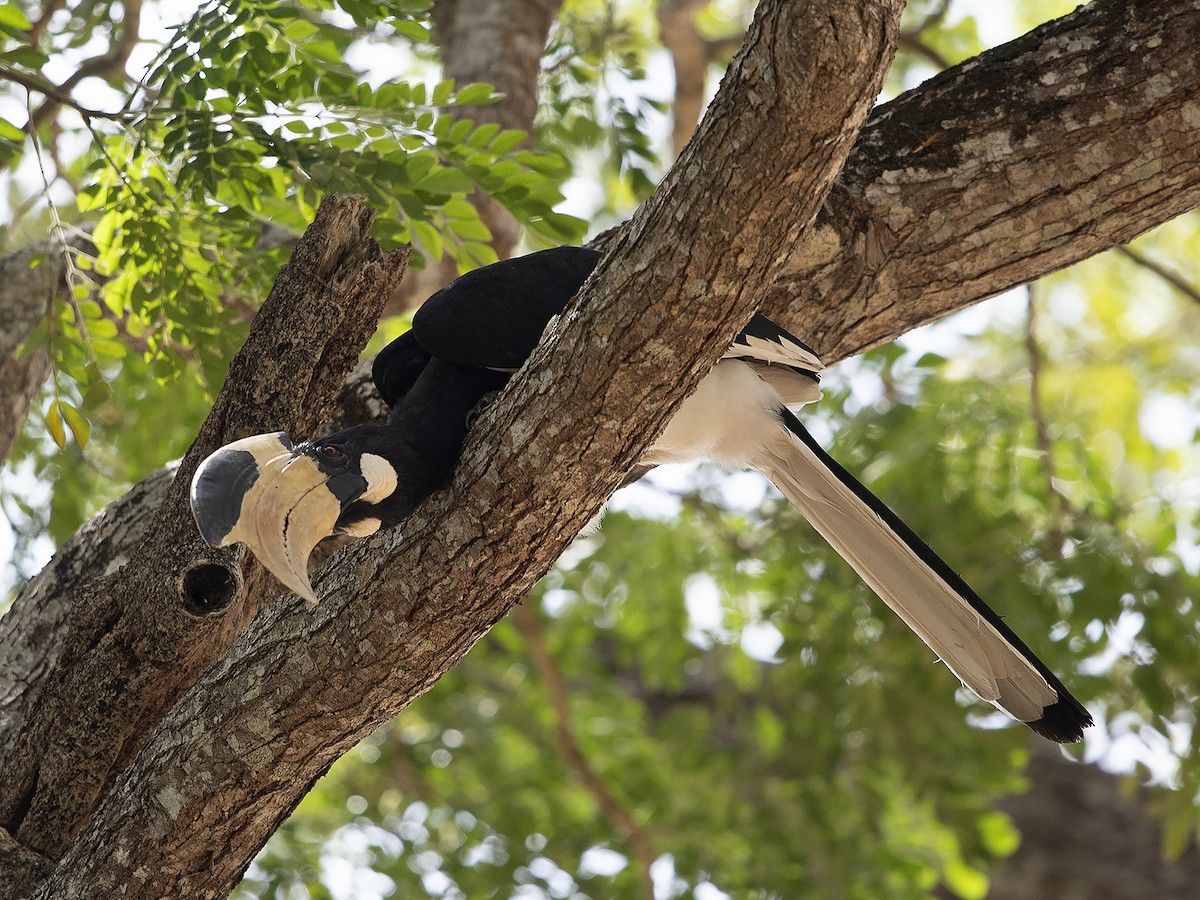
[132,640]
[296,690]
[1070,140]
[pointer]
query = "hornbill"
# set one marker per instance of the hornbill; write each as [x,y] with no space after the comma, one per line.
[282,499]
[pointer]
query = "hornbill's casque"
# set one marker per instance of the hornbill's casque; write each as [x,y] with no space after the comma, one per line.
[466,340]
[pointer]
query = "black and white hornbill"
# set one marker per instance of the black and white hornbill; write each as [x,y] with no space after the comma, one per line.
[283,499]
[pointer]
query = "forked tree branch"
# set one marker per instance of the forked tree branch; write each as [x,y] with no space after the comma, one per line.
[296,690]
[1066,142]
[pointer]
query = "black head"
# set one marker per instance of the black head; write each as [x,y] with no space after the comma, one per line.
[283,499]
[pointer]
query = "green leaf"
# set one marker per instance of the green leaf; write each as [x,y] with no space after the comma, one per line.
[414,31]
[507,140]
[81,430]
[966,881]
[29,57]
[443,91]
[477,94]
[479,254]
[54,424]
[459,208]
[545,163]
[428,237]
[102,328]
[13,20]
[930,361]
[300,30]
[323,50]
[108,349]
[482,135]
[444,181]
[471,229]
[11,132]
[1000,836]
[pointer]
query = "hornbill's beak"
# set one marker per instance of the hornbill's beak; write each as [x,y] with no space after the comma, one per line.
[276,498]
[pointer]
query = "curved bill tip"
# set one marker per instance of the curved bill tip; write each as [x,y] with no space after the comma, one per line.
[260,491]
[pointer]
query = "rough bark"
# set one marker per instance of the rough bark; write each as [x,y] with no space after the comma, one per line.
[32,280]
[230,759]
[296,690]
[20,380]
[27,291]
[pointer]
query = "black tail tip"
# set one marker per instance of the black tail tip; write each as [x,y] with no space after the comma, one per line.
[1064,721]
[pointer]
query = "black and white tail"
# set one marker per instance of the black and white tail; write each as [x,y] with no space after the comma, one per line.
[923,590]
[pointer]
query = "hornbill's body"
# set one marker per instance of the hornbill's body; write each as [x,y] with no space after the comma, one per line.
[465,342]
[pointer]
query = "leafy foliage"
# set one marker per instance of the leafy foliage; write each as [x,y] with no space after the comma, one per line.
[245,118]
[597,101]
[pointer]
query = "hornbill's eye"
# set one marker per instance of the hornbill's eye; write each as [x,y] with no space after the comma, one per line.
[332,454]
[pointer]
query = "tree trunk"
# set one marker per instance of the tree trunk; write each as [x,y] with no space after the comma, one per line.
[27,293]
[1085,837]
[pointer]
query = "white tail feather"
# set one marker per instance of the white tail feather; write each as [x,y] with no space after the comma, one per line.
[963,639]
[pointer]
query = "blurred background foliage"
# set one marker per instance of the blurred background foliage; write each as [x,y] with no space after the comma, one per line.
[701,694]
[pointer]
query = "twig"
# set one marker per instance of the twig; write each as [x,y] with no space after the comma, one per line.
[103,64]
[1041,432]
[54,93]
[936,17]
[1174,279]
[525,618]
[911,41]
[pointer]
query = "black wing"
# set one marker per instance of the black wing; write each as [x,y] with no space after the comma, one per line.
[493,317]
[398,366]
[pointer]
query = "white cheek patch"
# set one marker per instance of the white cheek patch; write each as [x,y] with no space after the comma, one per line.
[380,478]
[362,528]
